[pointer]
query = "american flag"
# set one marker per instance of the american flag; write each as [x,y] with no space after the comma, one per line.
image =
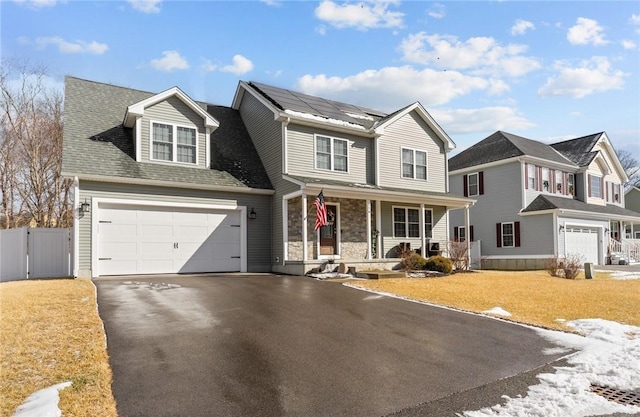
[321,211]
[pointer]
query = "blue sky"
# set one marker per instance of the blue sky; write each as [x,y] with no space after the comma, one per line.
[545,70]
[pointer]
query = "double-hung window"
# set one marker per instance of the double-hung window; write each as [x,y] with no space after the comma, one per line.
[428,223]
[571,184]
[414,164]
[406,222]
[595,186]
[173,143]
[531,176]
[508,235]
[473,185]
[331,153]
[545,179]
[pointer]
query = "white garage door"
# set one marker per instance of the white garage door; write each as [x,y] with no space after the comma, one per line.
[583,241]
[139,240]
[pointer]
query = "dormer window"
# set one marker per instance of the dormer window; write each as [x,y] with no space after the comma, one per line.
[595,186]
[331,153]
[173,143]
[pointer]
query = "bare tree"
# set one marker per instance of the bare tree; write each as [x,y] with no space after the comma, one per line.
[33,190]
[631,166]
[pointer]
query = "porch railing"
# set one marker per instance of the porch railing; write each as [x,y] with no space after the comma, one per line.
[629,249]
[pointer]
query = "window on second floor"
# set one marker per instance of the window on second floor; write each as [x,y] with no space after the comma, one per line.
[545,179]
[331,153]
[571,184]
[173,143]
[473,184]
[559,183]
[531,176]
[414,164]
[616,193]
[595,186]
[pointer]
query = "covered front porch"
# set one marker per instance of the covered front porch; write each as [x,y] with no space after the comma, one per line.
[624,242]
[368,227]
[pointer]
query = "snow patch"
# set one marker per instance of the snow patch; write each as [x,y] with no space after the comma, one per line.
[625,275]
[323,119]
[43,403]
[608,355]
[499,311]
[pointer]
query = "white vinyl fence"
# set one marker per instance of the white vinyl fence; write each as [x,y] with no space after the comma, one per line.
[35,253]
[476,255]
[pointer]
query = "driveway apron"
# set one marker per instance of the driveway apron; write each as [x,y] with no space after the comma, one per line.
[267,345]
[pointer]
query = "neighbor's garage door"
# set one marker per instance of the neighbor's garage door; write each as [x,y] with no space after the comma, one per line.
[583,241]
[158,240]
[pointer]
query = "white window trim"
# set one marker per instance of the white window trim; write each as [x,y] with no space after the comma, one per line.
[426,160]
[600,186]
[315,153]
[571,184]
[425,224]
[513,234]
[406,222]
[531,175]
[477,174]
[175,143]
[546,178]
[462,230]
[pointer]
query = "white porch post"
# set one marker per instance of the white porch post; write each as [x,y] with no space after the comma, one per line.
[285,229]
[422,233]
[379,229]
[467,233]
[304,227]
[368,210]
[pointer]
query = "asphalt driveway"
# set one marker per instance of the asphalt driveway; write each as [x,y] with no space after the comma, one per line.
[266,345]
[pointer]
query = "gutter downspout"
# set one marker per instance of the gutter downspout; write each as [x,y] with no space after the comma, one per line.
[76,225]
[285,159]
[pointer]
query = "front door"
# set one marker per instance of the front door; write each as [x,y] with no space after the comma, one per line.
[329,233]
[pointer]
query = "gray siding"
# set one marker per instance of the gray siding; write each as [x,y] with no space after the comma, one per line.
[301,156]
[412,132]
[632,200]
[258,230]
[172,111]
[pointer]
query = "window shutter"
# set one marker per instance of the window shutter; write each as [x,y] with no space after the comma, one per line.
[455,234]
[601,186]
[481,182]
[516,231]
[471,234]
[606,190]
[499,235]
[465,185]
[565,191]
[526,176]
[589,184]
[539,173]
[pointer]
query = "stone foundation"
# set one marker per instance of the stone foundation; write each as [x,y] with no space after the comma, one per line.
[514,264]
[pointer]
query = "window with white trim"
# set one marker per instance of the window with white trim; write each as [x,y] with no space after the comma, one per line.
[595,184]
[414,164]
[462,234]
[559,182]
[406,222]
[331,153]
[531,176]
[571,184]
[428,223]
[616,193]
[472,185]
[545,179]
[508,235]
[173,143]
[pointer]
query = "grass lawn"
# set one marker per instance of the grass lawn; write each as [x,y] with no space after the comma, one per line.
[50,332]
[531,297]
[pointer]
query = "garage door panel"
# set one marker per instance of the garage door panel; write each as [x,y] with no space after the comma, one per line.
[168,240]
[583,241]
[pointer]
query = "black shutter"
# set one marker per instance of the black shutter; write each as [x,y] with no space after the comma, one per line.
[499,235]
[516,227]
[455,233]
[481,182]
[465,184]
[471,234]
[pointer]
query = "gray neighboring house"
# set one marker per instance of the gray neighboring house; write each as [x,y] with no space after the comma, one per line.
[164,184]
[632,202]
[536,201]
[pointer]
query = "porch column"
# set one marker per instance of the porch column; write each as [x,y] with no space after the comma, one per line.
[285,229]
[379,229]
[368,209]
[304,227]
[422,233]
[467,234]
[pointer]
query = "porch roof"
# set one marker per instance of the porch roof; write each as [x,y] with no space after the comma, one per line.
[544,203]
[333,188]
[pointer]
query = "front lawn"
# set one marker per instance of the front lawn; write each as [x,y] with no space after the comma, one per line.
[50,332]
[531,297]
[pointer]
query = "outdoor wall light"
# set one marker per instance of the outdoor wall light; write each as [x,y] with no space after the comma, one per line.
[85,207]
[252,214]
[561,228]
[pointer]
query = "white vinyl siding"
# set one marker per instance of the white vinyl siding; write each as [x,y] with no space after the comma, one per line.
[331,153]
[414,164]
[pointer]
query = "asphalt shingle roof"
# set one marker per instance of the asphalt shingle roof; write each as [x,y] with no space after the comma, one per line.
[96,143]
[502,145]
[546,202]
[579,150]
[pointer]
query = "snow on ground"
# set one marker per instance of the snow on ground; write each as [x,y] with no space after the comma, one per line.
[498,311]
[43,403]
[608,355]
[624,275]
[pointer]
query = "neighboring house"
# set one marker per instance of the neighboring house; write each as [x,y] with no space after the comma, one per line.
[632,202]
[537,201]
[173,185]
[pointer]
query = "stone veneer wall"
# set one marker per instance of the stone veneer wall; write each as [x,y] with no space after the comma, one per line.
[353,228]
[527,264]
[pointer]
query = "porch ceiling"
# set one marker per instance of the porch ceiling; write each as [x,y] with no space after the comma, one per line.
[331,188]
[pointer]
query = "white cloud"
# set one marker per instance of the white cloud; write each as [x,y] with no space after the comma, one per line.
[485,119]
[586,31]
[436,11]
[77,47]
[363,15]
[241,65]
[209,66]
[635,19]
[391,88]
[146,6]
[592,76]
[521,26]
[628,44]
[171,60]
[37,4]
[272,3]
[483,55]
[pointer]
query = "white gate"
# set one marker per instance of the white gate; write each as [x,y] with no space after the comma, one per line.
[35,253]
[475,255]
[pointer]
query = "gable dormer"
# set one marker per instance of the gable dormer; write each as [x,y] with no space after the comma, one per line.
[605,175]
[171,128]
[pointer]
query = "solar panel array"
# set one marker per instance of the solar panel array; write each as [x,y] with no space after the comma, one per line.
[318,106]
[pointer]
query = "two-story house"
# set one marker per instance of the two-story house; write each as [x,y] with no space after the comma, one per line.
[165,184]
[536,201]
[632,202]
